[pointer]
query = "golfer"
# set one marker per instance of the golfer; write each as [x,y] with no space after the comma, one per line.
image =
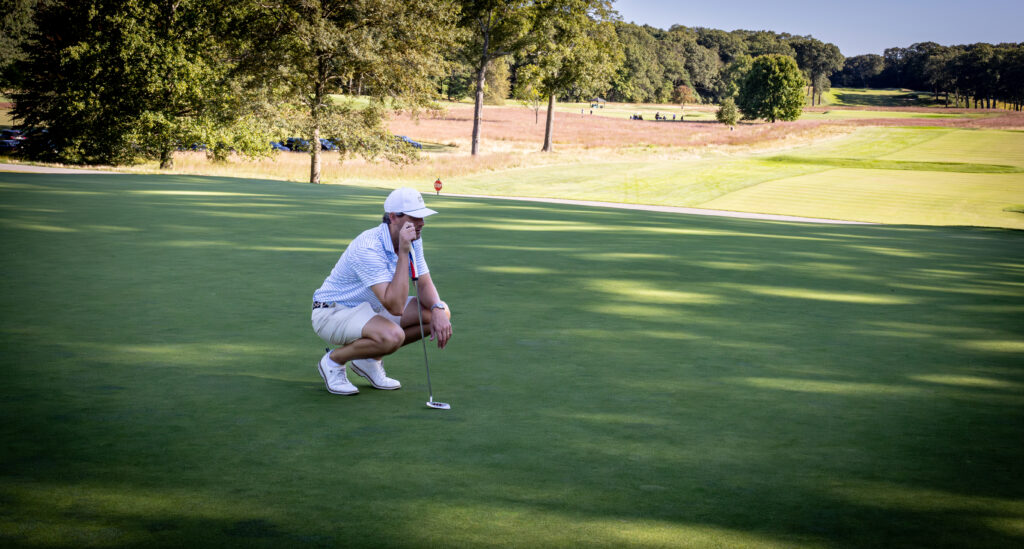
[364,308]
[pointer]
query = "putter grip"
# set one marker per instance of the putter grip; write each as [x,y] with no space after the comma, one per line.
[412,267]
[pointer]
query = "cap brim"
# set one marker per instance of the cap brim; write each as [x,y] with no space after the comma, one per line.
[420,212]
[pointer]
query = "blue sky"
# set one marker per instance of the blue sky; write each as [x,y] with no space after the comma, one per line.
[857,27]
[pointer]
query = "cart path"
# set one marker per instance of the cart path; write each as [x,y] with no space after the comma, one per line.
[669,209]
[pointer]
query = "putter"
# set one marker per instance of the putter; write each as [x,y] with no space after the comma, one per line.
[431,403]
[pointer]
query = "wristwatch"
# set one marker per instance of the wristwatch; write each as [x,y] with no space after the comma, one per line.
[439,305]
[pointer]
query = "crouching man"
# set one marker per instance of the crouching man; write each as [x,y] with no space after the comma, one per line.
[364,309]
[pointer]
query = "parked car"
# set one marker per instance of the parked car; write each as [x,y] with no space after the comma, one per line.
[409,141]
[296,144]
[278,146]
[9,145]
[327,145]
[12,135]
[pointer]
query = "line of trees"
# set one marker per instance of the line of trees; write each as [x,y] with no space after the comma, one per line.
[651,65]
[113,81]
[978,75]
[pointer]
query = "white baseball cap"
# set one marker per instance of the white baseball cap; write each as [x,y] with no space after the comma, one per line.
[407,201]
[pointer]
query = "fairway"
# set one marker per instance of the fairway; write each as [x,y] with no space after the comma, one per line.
[937,176]
[934,176]
[617,378]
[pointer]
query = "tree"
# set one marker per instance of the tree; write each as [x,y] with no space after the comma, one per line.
[732,75]
[764,43]
[496,85]
[493,29]
[16,25]
[772,90]
[937,71]
[531,96]
[727,46]
[575,47]
[113,82]
[684,94]
[818,60]
[860,71]
[390,47]
[727,113]
[641,76]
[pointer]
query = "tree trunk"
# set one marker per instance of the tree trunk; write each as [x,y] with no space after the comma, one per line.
[550,125]
[478,104]
[167,158]
[314,163]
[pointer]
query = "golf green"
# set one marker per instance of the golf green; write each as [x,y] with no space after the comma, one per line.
[617,378]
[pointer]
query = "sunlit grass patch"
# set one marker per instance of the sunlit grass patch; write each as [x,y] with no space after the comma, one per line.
[887,196]
[877,164]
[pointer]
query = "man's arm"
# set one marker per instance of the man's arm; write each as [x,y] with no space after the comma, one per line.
[393,295]
[440,325]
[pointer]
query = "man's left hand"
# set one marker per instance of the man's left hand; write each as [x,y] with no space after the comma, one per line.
[440,327]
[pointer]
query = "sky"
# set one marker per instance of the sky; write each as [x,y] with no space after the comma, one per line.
[857,27]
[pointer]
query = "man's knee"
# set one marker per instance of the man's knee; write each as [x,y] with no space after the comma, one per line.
[392,338]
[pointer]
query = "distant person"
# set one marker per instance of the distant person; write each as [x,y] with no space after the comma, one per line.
[364,308]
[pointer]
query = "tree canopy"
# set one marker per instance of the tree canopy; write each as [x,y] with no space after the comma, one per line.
[772,89]
[575,52]
[115,81]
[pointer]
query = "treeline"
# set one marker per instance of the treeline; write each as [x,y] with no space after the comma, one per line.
[978,75]
[680,65]
[118,81]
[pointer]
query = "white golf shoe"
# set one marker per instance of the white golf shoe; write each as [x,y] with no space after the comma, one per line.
[373,371]
[335,377]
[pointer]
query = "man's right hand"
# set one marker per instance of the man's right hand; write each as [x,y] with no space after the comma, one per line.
[405,237]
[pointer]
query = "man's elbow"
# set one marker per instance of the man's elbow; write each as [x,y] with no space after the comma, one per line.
[395,310]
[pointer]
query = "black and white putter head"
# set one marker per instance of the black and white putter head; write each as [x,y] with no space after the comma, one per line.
[439,405]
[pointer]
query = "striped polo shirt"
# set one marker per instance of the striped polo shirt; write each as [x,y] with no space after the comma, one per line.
[368,260]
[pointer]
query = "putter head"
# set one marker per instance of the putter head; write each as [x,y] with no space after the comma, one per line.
[438,405]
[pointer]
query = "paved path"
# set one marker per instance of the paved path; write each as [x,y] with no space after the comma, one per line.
[670,209]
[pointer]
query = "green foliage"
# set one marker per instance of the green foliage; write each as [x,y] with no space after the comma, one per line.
[392,48]
[497,86]
[492,29]
[727,113]
[114,82]
[818,61]
[772,90]
[641,76]
[575,51]
[16,26]
[732,75]
[860,70]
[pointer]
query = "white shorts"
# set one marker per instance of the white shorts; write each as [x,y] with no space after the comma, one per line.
[340,325]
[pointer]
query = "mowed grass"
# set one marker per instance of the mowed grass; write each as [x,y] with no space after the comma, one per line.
[940,176]
[617,378]
[868,97]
